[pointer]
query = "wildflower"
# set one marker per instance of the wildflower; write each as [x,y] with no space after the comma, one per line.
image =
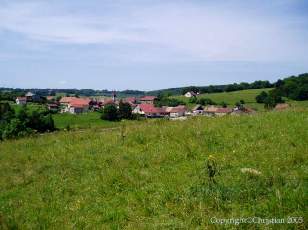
[251,171]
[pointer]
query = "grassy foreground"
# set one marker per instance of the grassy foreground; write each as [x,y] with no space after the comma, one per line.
[155,177]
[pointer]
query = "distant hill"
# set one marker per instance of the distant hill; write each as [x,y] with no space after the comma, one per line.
[259,84]
[213,88]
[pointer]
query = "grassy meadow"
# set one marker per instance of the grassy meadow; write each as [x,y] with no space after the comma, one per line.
[81,121]
[231,98]
[152,174]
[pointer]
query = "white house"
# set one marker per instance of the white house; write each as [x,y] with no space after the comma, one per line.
[21,100]
[190,94]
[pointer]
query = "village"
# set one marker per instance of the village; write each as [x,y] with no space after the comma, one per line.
[142,106]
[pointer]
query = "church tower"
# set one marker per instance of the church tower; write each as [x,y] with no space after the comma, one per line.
[114,96]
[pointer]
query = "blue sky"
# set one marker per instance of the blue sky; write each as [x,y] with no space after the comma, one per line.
[150,44]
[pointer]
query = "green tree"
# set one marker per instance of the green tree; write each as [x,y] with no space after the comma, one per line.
[224,104]
[261,97]
[269,102]
[193,100]
[206,101]
[6,112]
[110,113]
[125,110]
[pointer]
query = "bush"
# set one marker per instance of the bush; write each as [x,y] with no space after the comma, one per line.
[193,100]
[110,113]
[224,104]
[23,122]
[205,101]
[261,97]
[125,111]
[295,88]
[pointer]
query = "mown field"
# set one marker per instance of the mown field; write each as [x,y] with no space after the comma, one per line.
[81,121]
[152,174]
[232,97]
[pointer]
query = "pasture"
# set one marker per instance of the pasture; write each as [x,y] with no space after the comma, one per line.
[153,174]
[81,121]
[231,98]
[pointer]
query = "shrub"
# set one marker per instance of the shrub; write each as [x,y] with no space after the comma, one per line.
[110,113]
[261,97]
[125,111]
[206,101]
[23,122]
[193,100]
[224,104]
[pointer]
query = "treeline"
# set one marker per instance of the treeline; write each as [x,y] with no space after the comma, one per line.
[23,121]
[10,94]
[289,86]
[164,99]
[294,87]
[214,88]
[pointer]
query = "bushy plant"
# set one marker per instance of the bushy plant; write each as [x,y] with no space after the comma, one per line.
[125,111]
[110,113]
[206,101]
[15,124]
[261,97]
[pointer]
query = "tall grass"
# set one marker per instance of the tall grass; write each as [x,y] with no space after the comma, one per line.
[156,176]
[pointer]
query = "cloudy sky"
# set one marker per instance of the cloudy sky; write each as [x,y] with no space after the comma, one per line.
[150,44]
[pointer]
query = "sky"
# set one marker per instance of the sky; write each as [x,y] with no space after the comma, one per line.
[150,44]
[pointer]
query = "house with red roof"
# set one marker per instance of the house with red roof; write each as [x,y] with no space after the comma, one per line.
[75,105]
[223,111]
[212,110]
[149,110]
[147,100]
[131,100]
[178,111]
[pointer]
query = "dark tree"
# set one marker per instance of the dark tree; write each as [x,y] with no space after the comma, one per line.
[224,104]
[261,97]
[206,101]
[110,113]
[125,110]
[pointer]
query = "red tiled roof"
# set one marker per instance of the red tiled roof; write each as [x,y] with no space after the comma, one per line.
[66,99]
[178,109]
[75,102]
[148,108]
[130,100]
[50,97]
[148,98]
[79,102]
[211,109]
[223,110]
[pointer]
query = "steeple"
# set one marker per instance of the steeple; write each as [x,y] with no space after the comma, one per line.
[114,95]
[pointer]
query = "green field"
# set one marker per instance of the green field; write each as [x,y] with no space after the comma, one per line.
[81,121]
[232,97]
[153,175]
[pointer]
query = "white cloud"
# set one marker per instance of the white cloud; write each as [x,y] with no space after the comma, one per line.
[35,21]
[196,31]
